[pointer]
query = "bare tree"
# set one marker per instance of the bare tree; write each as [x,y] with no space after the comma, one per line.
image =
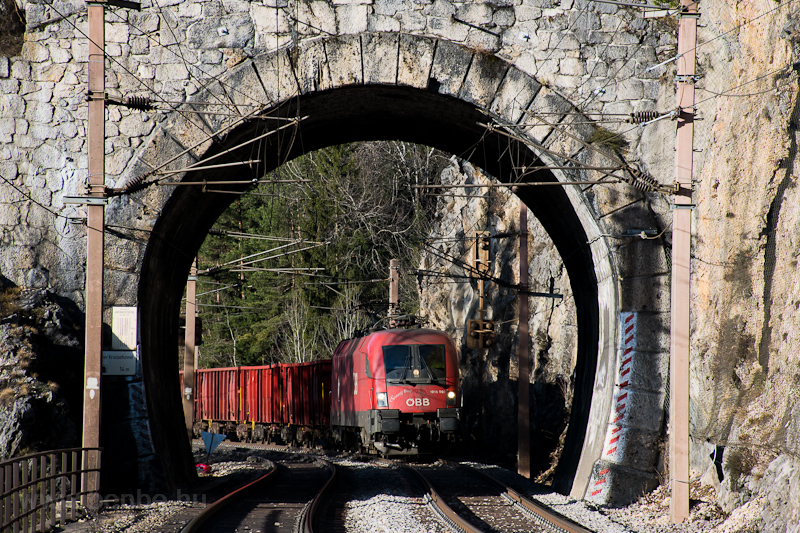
[301,333]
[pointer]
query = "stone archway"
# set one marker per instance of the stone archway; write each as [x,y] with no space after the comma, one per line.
[368,87]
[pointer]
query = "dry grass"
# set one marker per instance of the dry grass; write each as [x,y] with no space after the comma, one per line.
[7,396]
[740,463]
[9,297]
[609,140]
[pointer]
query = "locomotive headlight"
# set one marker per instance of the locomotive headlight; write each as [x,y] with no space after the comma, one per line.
[451,397]
[382,401]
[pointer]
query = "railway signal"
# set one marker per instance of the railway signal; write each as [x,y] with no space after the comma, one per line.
[480,333]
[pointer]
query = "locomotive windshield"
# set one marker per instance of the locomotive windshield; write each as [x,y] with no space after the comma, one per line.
[414,363]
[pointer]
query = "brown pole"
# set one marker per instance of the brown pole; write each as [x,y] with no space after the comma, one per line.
[94,252]
[189,349]
[523,420]
[394,290]
[681,256]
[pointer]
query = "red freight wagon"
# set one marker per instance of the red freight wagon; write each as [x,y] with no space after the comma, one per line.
[261,391]
[307,393]
[290,401]
[217,394]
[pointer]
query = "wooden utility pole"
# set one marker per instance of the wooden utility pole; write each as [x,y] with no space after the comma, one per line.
[93,363]
[681,258]
[189,349]
[524,417]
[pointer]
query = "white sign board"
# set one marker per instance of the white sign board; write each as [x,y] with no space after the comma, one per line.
[123,328]
[120,362]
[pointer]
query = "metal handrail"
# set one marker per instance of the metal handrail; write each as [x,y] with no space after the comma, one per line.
[37,486]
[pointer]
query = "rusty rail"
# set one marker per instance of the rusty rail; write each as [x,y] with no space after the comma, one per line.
[42,489]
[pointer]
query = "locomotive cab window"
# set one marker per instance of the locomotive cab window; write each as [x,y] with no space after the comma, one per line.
[414,363]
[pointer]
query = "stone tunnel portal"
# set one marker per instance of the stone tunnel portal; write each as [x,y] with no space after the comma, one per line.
[355,113]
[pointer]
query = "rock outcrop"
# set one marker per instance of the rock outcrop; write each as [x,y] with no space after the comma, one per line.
[40,373]
[489,376]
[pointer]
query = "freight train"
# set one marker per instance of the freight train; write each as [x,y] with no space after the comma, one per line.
[395,392]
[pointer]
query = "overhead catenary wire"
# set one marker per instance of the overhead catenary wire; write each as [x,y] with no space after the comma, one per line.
[140,183]
[240,264]
[522,184]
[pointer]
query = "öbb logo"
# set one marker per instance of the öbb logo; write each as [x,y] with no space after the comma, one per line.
[418,402]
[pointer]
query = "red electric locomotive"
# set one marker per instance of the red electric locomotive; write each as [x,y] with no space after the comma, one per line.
[397,391]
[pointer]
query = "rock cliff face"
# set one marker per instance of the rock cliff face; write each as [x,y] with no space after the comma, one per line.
[40,374]
[745,382]
[489,376]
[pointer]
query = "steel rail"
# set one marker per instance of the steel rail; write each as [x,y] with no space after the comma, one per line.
[309,517]
[537,511]
[440,507]
[199,521]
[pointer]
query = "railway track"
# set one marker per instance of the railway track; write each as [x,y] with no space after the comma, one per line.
[463,498]
[473,502]
[286,500]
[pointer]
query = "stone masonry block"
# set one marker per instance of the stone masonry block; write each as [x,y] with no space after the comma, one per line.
[382,23]
[514,95]
[269,20]
[277,75]
[379,55]
[316,16]
[217,92]
[34,52]
[649,371]
[231,31]
[616,485]
[352,19]
[169,142]
[9,215]
[412,20]
[12,105]
[640,409]
[450,66]
[344,60]
[388,7]
[484,77]
[171,72]
[631,447]
[475,13]
[415,58]
[505,18]
[646,293]
[311,66]
[550,107]
[482,41]
[630,89]
[243,87]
